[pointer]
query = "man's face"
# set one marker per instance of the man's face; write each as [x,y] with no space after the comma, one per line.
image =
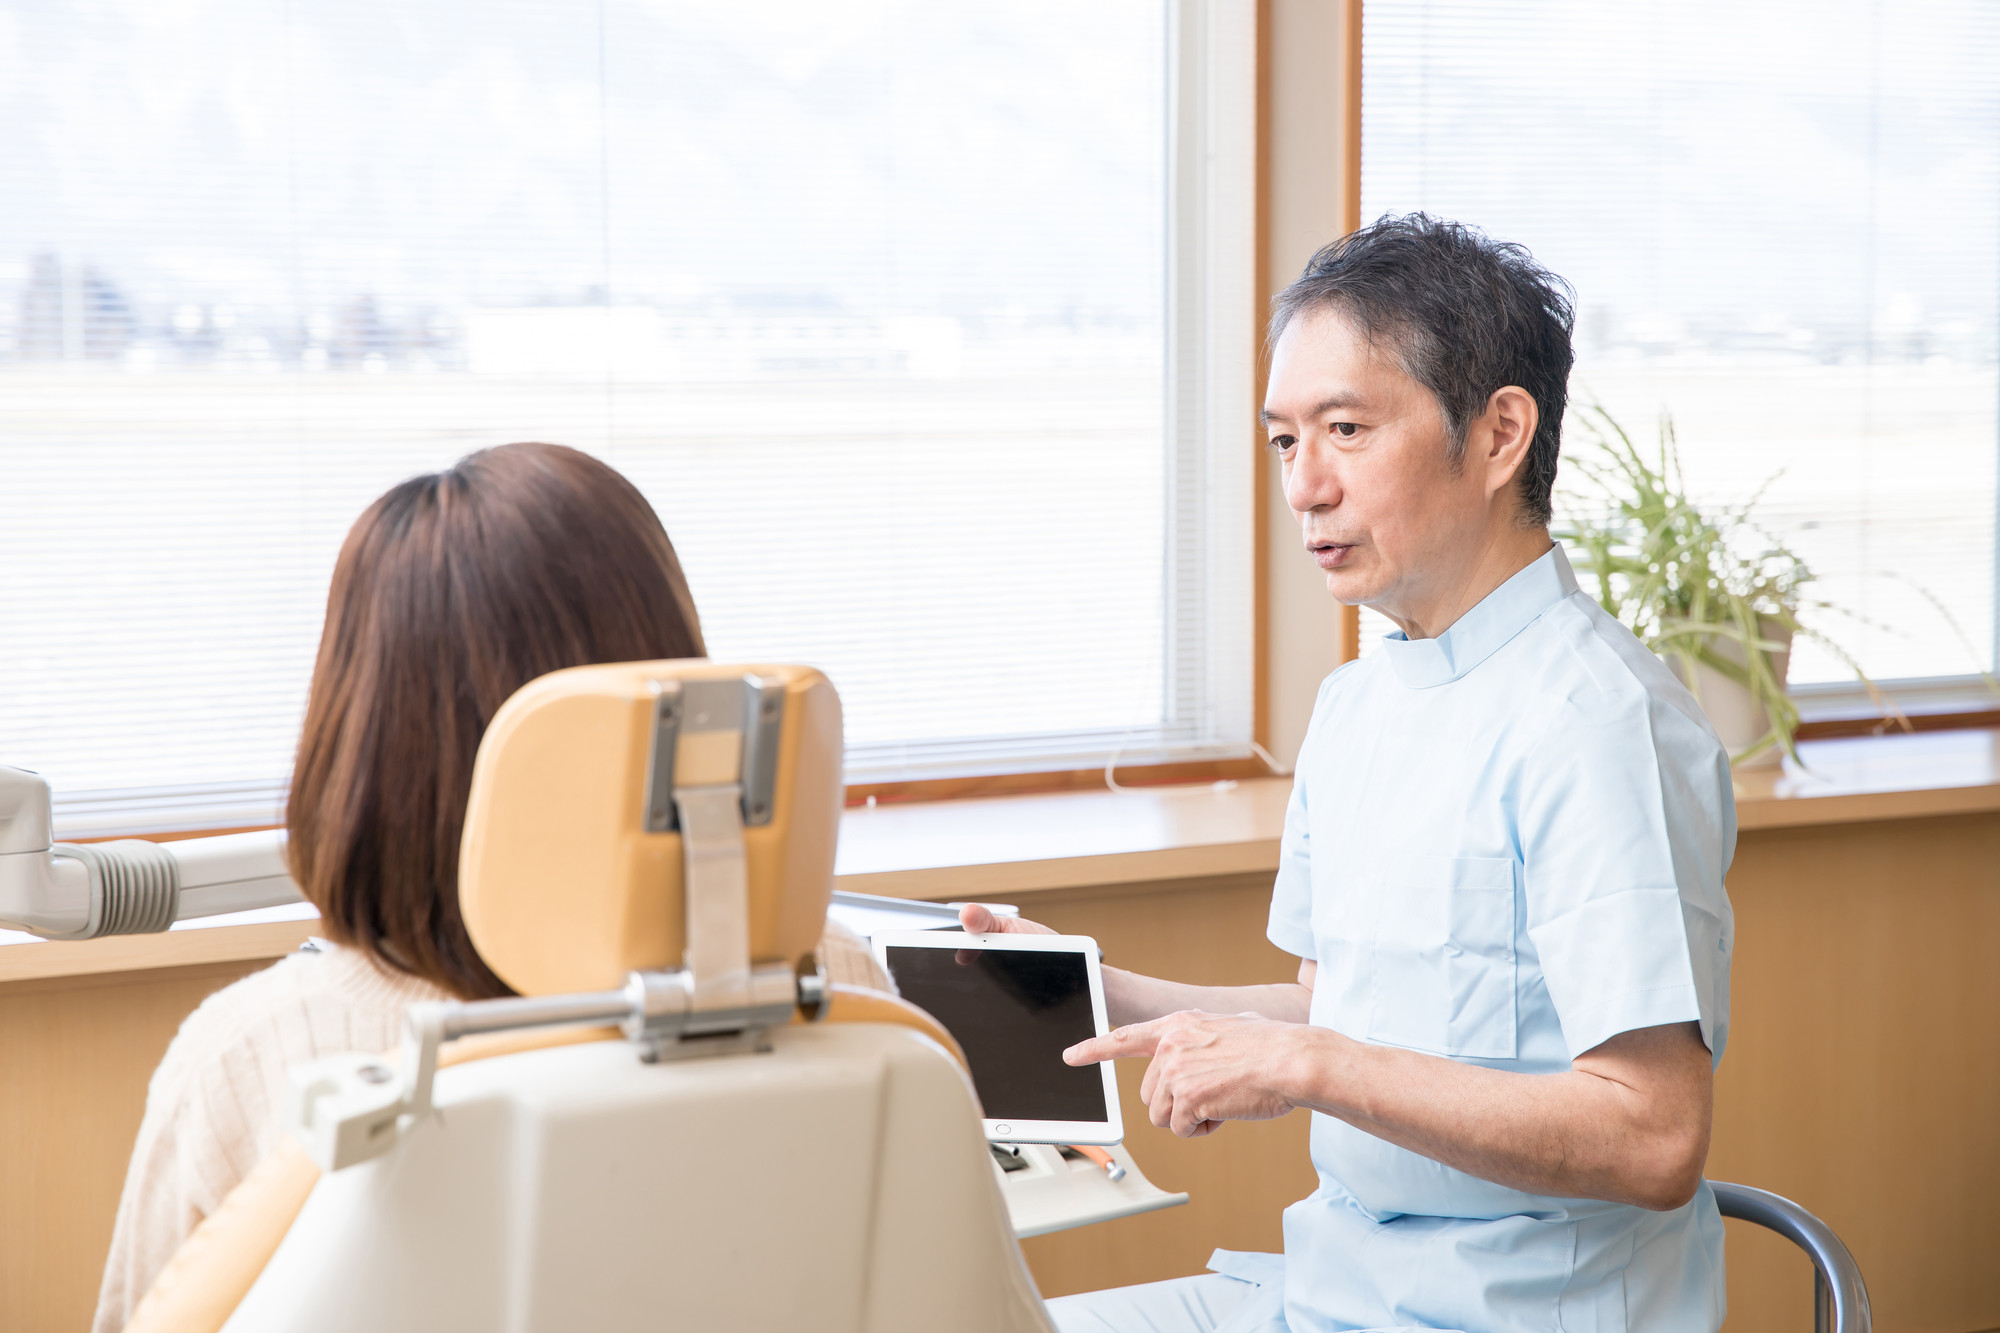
[1364,450]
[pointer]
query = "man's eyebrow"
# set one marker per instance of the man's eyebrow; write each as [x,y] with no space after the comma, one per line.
[1325,405]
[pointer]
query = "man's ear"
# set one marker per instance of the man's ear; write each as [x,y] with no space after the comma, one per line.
[1505,430]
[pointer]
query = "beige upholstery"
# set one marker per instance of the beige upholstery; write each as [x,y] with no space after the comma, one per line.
[563,890]
[206,1279]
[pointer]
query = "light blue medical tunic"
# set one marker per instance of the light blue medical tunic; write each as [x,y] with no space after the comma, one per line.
[1505,846]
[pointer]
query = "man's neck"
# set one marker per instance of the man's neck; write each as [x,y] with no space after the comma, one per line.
[1506,554]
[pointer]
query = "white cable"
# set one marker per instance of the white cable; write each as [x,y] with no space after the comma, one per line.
[1278,770]
[1111,764]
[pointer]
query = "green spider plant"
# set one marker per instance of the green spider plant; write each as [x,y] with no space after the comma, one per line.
[1701,587]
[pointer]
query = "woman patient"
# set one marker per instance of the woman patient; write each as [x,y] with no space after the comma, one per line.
[452,591]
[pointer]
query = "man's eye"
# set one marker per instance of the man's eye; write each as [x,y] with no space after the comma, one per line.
[1283,443]
[1345,429]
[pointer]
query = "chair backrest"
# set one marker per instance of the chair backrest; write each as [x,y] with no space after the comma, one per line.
[649,844]
[839,1183]
[1840,1297]
[573,869]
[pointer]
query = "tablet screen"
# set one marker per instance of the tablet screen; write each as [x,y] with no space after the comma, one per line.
[1014,1011]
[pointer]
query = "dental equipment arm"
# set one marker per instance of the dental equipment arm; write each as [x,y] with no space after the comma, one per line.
[71,891]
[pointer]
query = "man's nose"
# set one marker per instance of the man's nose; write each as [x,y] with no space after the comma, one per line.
[1311,482]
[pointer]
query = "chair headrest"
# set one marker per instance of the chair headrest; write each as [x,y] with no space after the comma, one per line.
[571,870]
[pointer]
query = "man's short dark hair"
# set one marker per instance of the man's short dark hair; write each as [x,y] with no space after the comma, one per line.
[1465,315]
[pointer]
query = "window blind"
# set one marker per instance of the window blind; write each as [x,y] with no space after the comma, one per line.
[1780,217]
[909,319]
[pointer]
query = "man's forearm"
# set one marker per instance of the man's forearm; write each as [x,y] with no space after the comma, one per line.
[1580,1134]
[1130,997]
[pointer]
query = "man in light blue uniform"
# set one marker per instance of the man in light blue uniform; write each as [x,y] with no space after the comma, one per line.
[1502,868]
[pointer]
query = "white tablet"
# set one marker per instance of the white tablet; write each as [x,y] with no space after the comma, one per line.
[1015,1003]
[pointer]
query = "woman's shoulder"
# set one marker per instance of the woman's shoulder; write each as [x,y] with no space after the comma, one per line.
[230,1016]
[313,1003]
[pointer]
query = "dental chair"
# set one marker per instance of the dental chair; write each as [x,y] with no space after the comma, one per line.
[679,1124]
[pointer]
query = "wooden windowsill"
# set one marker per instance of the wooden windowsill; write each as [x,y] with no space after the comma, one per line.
[1011,848]
[1874,724]
[1860,778]
[229,939]
[1013,845]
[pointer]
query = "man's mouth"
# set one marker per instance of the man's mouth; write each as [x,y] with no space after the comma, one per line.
[1331,555]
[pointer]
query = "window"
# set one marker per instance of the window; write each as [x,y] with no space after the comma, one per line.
[925,328]
[1780,220]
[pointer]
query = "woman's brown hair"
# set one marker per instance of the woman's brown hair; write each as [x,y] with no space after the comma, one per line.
[453,591]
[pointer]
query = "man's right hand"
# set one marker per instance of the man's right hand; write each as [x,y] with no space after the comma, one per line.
[979,919]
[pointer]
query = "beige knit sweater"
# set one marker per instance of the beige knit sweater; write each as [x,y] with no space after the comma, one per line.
[213,1108]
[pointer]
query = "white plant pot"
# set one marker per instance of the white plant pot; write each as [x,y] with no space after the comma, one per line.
[1739,720]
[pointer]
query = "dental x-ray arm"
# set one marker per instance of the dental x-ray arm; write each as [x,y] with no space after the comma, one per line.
[75,891]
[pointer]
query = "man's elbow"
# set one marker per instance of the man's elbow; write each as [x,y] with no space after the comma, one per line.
[1671,1170]
[1669,1191]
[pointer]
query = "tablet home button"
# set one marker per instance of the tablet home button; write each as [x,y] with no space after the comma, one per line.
[1003,1130]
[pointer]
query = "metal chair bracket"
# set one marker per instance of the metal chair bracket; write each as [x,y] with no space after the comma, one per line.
[350,1108]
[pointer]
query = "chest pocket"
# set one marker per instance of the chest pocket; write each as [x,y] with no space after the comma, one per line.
[1442,961]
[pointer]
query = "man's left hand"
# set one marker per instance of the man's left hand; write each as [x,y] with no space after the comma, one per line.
[1207,1068]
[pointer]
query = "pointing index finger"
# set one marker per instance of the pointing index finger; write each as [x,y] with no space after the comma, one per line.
[1130,1040]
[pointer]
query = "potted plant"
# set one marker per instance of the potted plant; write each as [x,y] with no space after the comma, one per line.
[1714,595]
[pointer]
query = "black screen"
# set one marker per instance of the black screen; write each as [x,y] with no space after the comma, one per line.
[1014,1011]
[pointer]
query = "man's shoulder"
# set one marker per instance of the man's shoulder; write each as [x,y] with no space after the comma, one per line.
[1595,664]
[1349,678]
[1608,700]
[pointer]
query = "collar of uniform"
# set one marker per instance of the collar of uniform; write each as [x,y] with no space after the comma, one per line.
[1476,635]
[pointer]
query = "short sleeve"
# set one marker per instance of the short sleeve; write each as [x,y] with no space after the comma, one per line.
[1627,826]
[1291,896]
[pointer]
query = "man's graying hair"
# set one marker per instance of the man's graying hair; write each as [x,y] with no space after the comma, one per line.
[1465,314]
